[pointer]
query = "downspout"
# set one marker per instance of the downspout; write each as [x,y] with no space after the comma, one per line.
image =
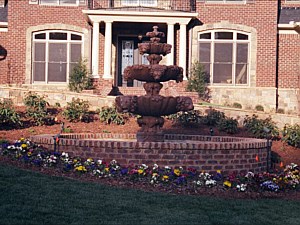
[277,56]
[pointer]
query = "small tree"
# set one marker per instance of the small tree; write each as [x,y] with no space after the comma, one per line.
[80,78]
[198,79]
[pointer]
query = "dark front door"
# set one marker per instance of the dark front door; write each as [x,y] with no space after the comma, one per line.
[128,55]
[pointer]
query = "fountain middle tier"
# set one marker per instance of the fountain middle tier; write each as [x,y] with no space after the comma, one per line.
[156,105]
[153,73]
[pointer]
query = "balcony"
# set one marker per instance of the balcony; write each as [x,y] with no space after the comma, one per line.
[144,5]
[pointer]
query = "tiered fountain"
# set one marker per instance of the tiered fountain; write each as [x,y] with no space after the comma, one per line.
[151,145]
[153,106]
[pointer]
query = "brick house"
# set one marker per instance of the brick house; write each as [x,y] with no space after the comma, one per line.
[250,48]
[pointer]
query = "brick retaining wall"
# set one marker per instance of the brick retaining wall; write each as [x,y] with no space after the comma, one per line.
[209,153]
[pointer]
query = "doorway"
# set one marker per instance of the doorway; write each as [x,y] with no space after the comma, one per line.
[128,55]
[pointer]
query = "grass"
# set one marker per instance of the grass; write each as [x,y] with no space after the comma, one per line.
[32,198]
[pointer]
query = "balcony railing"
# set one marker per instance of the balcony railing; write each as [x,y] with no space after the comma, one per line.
[151,5]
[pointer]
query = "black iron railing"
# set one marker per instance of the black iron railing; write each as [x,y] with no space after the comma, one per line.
[175,5]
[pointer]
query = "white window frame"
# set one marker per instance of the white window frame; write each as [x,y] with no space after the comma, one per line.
[139,3]
[59,2]
[226,1]
[47,41]
[234,41]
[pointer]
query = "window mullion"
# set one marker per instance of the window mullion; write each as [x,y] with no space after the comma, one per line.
[68,57]
[47,57]
[212,58]
[234,61]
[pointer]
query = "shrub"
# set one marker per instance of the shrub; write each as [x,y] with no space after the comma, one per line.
[110,115]
[189,118]
[77,110]
[79,78]
[291,135]
[198,80]
[8,116]
[36,109]
[258,127]
[213,117]
[229,125]
[280,111]
[259,108]
[237,105]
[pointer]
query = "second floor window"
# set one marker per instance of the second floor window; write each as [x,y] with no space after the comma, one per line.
[225,56]
[139,2]
[60,2]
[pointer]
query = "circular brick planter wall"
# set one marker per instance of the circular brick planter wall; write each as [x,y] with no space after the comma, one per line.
[209,153]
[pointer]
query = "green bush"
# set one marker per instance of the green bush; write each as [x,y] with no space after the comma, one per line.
[259,108]
[229,125]
[291,135]
[237,105]
[213,117]
[79,78]
[36,109]
[189,118]
[8,116]
[110,115]
[198,79]
[77,110]
[258,127]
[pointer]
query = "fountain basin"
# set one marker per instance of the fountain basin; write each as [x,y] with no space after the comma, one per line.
[153,105]
[209,153]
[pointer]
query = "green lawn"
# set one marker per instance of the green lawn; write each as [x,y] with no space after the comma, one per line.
[33,198]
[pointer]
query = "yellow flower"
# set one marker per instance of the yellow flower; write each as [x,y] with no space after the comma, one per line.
[227,183]
[154,174]
[177,172]
[218,171]
[22,139]
[165,177]
[81,168]
[106,169]
[23,145]
[140,171]
[29,153]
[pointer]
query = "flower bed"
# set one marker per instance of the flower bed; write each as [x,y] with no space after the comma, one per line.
[189,179]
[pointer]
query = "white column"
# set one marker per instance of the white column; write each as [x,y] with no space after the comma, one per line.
[95,50]
[107,50]
[182,49]
[170,40]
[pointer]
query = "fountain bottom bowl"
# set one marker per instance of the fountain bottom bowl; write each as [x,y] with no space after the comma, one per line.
[208,153]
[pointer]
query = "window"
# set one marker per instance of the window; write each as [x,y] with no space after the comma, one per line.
[225,56]
[61,2]
[139,2]
[227,1]
[55,53]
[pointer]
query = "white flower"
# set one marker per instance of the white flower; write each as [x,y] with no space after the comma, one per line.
[249,175]
[210,182]
[241,187]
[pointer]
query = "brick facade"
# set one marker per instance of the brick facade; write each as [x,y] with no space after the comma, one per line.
[3,58]
[288,59]
[23,15]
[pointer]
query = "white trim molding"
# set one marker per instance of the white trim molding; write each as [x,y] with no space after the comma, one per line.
[290,28]
[3,26]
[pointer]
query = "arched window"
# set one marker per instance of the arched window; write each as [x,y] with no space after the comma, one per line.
[55,53]
[225,56]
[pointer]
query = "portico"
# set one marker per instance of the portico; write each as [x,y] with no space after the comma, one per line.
[109,17]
